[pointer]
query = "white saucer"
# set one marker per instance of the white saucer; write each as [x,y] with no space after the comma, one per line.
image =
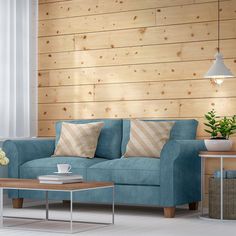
[62,173]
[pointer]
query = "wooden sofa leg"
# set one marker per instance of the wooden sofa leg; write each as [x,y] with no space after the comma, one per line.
[169,212]
[193,206]
[17,202]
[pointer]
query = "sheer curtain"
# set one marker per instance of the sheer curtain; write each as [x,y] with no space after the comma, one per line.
[18,68]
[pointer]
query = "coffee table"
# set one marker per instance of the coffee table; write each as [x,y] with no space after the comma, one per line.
[33,184]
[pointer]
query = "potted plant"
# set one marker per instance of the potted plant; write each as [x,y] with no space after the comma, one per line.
[220,130]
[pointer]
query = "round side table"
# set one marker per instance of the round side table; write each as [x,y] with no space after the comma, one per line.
[221,156]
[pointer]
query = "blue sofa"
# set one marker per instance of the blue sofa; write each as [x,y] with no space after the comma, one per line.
[171,180]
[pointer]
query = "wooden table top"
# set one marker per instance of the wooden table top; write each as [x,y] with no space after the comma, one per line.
[34,184]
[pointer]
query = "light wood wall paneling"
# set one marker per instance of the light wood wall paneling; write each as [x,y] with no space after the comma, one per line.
[134,19]
[66,94]
[195,13]
[155,35]
[164,90]
[56,44]
[138,91]
[138,37]
[199,107]
[89,7]
[109,110]
[136,55]
[129,73]
[128,109]
[104,22]
[54,1]
[46,128]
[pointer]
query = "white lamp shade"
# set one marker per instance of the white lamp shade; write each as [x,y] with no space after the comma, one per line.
[218,70]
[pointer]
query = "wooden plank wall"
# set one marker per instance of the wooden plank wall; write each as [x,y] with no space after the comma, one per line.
[133,59]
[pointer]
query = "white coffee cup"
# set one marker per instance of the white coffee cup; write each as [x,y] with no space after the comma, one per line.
[63,168]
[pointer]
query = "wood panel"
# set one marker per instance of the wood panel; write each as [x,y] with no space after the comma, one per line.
[109,110]
[66,94]
[138,37]
[80,7]
[195,13]
[164,90]
[136,55]
[46,128]
[130,73]
[155,35]
[137,91]
[173,108]
[56,44]
[199,107]
[103,22]
[51,1]
[134,19]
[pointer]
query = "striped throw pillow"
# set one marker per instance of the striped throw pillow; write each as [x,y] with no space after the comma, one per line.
[78,139]
[147,138]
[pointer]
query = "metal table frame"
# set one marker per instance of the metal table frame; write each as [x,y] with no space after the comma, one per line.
[221,156]
[71,221]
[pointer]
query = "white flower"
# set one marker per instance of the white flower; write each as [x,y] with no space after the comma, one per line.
[3,159]
[2,153]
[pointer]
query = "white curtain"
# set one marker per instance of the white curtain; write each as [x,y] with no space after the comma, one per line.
[18,68]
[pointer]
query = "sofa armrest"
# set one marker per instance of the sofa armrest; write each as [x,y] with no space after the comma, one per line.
[181,172]
[21,151]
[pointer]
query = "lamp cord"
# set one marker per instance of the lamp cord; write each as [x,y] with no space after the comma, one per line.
[218,49]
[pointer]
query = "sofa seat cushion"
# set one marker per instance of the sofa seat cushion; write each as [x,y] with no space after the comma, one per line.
[130,171]
[44,166]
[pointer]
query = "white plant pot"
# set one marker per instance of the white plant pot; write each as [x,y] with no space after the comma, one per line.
[218,145]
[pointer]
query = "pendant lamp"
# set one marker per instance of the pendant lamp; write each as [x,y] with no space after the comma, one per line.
[218,71]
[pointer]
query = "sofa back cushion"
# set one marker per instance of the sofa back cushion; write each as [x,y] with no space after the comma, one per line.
[109,142]
[182,130]
[78,139]
[147,138]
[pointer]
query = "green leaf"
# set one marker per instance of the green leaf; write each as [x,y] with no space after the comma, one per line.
[208,131]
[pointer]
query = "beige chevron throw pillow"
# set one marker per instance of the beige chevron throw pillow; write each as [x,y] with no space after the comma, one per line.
[78,139]
[147,138]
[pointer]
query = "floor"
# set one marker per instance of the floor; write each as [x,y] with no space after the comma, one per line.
[128,221]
